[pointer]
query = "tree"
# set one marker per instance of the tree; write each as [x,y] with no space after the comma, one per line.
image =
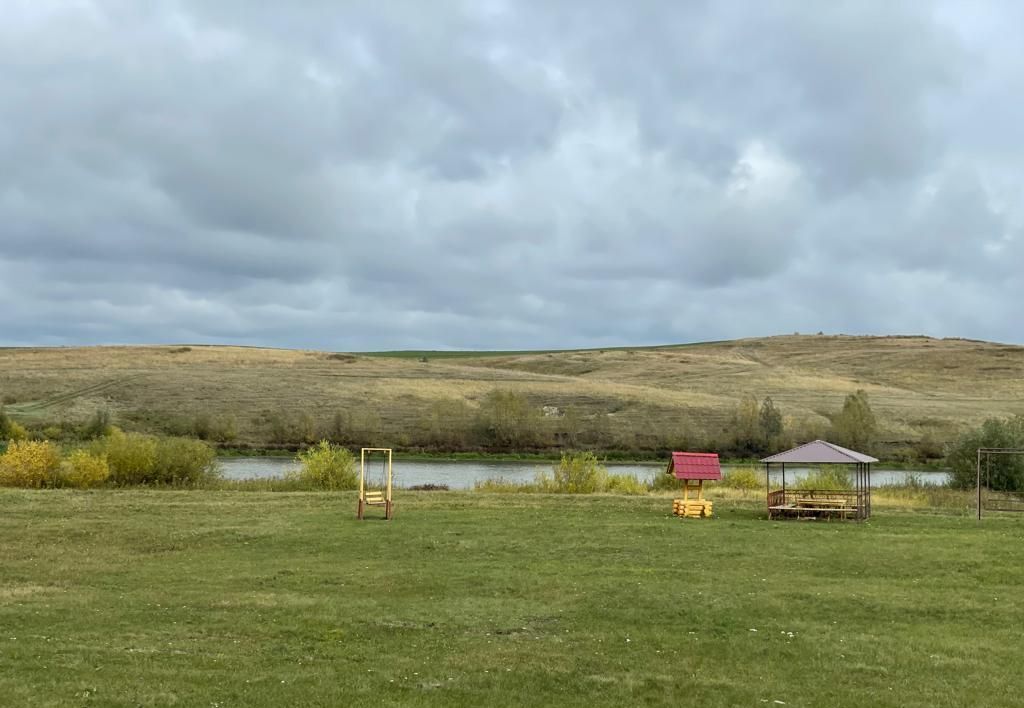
[446,424]
[569,426]
[855,426]
[510,420]
[306,425]
[770,420]
[746,429]
[1001,472]
[338,432]
[98,425]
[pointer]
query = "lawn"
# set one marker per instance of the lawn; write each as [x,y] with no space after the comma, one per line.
[204,598]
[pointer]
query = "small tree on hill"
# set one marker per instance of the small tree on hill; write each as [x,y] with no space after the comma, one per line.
[855,426]
[746,428]
[770,420]
[98,425]
[509,419]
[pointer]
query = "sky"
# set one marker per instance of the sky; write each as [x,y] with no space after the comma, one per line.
[508,175]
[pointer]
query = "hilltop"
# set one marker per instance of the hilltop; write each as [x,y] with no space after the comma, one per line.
[627,398]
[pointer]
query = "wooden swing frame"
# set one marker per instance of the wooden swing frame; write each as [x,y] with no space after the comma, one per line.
[375,498]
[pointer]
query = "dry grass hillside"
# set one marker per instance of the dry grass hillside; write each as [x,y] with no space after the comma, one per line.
[918,387]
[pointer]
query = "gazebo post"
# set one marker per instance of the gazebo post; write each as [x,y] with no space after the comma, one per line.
[867,482]
[863,488]
[861,502]
[857,488]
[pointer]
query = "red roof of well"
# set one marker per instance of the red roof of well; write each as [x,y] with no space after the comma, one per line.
[695,465]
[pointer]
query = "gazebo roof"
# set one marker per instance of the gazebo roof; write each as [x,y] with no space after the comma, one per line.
[695,465]
[820,452]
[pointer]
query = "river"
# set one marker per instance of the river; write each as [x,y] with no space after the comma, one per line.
[463,474]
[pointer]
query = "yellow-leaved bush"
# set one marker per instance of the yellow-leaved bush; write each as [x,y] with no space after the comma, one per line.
[83,470]
[135,458]
[30,463]
[16,431]
[327,466]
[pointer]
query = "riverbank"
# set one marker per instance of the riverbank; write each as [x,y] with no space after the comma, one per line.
[126,597]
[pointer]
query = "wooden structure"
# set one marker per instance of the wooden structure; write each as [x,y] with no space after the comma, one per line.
[693,468]
[381,494]
[820,503]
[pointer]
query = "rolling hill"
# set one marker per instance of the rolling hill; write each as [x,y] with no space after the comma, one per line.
[617,398]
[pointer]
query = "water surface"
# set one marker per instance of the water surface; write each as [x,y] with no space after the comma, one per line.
[463,474]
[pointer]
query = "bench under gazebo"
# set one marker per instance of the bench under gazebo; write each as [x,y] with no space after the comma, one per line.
[820,503]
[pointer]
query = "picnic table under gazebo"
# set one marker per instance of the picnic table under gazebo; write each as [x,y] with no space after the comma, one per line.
[820,503]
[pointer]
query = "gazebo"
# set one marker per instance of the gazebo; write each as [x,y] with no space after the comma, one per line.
[820,503]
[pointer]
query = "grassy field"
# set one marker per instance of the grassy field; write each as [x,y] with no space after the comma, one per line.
[918,386]
[160,598]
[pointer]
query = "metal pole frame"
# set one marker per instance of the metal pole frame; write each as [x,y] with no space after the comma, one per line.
[986,451]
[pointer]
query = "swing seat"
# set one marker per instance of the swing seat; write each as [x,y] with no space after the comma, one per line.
[375,498]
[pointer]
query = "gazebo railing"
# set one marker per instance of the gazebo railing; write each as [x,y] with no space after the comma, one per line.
[817,502]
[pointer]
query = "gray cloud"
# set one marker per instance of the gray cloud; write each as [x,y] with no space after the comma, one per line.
[465,174]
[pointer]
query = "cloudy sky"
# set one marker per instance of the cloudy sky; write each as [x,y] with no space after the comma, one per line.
[489,174]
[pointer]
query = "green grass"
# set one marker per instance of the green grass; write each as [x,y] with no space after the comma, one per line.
[127,598]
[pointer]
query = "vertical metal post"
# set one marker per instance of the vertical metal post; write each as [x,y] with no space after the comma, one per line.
[857,491]
[863,492]
[868,468]
[979,484]
[860,491]
[362,476]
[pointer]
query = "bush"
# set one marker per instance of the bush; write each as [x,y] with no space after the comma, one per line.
[742,478]
[664,481]
[625,484]
[145,459]
[510,421]
[500,485]
[131,456]
[183,461]
[83,470]
[9,429]
[30,463]
[16,431]
[222,430]
[576,473]
[327,466]
[99,425]
[582,473]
